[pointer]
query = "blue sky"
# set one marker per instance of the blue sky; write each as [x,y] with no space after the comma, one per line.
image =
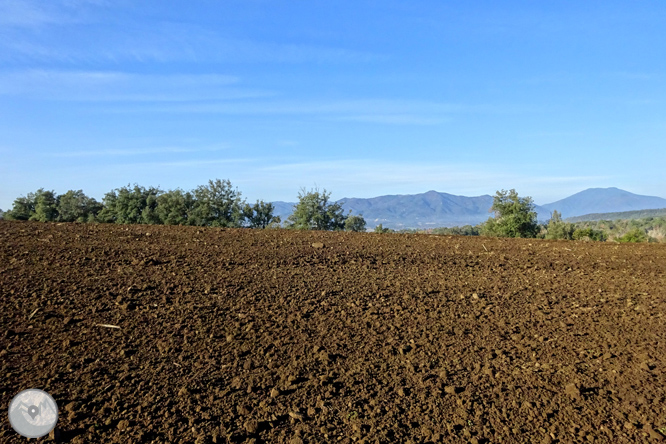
[363,98]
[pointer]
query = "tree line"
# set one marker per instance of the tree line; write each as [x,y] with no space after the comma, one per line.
[218,204]
[215,204]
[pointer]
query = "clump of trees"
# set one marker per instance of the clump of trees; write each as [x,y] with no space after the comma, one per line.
[650,229]
[215,204]
[515,217]
[314,211]
[46,206]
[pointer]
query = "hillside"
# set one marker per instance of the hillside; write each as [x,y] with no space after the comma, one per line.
[623,215]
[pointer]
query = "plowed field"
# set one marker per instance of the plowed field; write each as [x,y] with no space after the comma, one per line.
[316,337]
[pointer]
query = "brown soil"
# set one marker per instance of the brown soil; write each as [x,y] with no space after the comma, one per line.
[302,337]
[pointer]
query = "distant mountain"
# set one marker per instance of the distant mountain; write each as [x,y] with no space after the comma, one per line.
[426,210]
[604,200]
[434,209]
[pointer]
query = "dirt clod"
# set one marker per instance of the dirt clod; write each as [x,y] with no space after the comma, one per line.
[572,390]
[251,426]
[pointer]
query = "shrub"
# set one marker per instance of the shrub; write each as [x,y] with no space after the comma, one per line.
[635,235]
[588,234]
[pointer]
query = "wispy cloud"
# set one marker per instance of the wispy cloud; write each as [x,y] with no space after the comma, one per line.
[29,13]
[369,178]
[162,42]
[125,92]
[38,13]
[136,152]
[112,86]
[379,111]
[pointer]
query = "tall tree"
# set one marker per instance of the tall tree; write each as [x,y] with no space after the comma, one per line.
[174,207]
[260,215]
[46,206]
[314,212]
[135,205]
[218,204]
[75,206]
[23,208]
[558,229]
[514,216]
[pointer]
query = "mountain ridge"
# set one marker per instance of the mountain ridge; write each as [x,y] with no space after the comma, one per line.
[439,209]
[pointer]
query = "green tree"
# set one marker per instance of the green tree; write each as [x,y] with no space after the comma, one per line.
[127,205]
[514,216]
[174,207]
[260,215]
[558,229]
[314,212]
[108,213]
[23,208]
[217,204]
[46,206]
[355,223]
[75,206]
[635,235]
[380,229]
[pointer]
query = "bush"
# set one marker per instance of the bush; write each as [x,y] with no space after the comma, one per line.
[588,234]
[635,235]
[355,223]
